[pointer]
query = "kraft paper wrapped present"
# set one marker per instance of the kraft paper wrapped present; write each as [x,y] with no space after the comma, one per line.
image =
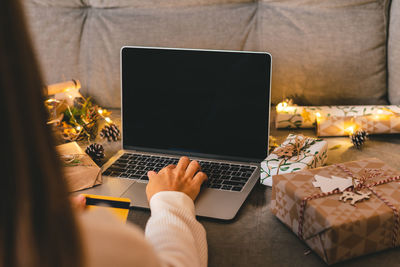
[306,116]
[373,124]
[80,170]
[337,230]
[311,155]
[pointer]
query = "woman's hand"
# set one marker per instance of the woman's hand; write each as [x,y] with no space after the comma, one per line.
[184,177]
[78,203]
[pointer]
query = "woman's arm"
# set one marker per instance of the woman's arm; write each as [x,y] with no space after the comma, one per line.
[177,237]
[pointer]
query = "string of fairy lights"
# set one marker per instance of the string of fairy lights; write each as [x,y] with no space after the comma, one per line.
[72,115]
[342,120]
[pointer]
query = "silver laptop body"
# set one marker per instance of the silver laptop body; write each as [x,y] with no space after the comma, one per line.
[213,203]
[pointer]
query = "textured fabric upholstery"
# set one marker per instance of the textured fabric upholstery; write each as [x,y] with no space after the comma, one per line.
[57,35]
[324,51]
[331,52]
[166,27]
[394,53]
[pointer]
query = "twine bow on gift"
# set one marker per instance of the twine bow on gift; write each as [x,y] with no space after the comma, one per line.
[359,183]
[291,149]
[71,160]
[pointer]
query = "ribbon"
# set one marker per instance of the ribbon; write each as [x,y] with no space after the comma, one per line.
[290,149]
[382,198]
[360,185]
[72,160]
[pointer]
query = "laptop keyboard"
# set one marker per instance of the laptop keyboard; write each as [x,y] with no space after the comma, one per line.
[221,176]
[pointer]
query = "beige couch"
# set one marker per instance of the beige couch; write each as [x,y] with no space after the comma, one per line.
[324,51]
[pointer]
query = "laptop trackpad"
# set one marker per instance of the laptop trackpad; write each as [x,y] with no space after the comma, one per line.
[137,194]
[111,186]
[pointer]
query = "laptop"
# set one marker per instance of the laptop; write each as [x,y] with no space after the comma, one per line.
[212,106]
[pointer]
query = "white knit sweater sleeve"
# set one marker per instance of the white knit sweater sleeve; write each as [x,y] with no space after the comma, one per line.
[177,237]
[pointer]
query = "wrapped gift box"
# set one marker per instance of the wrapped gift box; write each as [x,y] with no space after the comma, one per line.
[312,155]
[80,170]
[296,117]
[306,116]
[337,230]
[373,124]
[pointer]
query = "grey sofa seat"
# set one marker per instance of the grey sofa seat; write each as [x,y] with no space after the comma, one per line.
[324,51]
[394,53]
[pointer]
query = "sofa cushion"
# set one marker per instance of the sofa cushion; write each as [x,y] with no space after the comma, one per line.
[105,26]
[326,52]
[213,27]
[394,54]
[156,3]
[57,33]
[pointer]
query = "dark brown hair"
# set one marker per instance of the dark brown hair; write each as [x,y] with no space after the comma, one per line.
[37,225]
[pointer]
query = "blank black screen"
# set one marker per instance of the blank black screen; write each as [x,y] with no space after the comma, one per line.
[196,102]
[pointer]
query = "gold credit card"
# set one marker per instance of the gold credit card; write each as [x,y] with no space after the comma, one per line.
[116,205]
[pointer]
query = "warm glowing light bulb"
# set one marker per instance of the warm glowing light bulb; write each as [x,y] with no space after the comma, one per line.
[350,130]
[318,114]
[107,119]
[100,111]
[78,128]
[380,111]
[281,106]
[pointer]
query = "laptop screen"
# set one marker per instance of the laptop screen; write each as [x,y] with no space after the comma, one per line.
[196,102]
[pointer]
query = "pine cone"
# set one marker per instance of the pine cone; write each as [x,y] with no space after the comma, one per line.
[95,151]
[111,132]
[358,138]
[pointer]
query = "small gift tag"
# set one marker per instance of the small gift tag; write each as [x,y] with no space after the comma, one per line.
[329,184]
